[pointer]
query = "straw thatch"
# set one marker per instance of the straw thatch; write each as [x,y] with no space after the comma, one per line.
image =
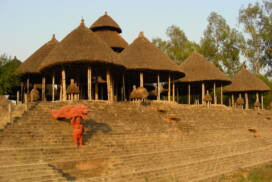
[244,81]
[81,45]
[105,22]
[31,64]
[112,38]
[197,68]
[143,55]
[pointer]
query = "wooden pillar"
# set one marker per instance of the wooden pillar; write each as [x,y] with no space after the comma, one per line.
[158,88]
[257,97]
[232,100]
[89,79]
[27,85]
[177,91]
[112,87]
[22,92]
[43,88]
[173,91]
[96,89]
[169,88]
[262,101]
[17,97]
[189,93]
[108,85]
[221,94]
[53,87]
[246,98]
[214,93]
[141,79]
[124,88]
[63,76]
[203,93]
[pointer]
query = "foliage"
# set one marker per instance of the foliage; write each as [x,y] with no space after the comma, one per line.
[222,44]
[256,20]
[178,47]
[8,78]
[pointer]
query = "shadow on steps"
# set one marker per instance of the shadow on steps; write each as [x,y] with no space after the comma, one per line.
[91,127]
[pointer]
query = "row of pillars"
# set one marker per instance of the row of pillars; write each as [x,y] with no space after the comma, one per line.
[203,93]
[232,101]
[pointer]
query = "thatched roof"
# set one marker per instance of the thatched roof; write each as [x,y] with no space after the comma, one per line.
[197,68]
[105,22]
[143,55]
[244,81]
[112,38]
[31,64]
[81,45]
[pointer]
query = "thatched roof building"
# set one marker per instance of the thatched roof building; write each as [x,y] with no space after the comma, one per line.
[198,69]
[81,45]
[105,22]
[244,81]
[31,64]
[109,31]
[143,55]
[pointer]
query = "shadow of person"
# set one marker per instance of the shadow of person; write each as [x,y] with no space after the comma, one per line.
[91,127]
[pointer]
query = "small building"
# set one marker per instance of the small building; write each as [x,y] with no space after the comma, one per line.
[200,75]
[246,84]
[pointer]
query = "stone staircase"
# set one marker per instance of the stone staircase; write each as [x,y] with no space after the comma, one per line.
[129,142]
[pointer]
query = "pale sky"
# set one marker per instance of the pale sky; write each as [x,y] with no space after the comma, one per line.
[27,24]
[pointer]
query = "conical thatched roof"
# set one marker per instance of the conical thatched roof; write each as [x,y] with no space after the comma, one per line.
[32,63]
[105,22]
[81,45]
[112,38]
[197,68]
[143,55]
[244,81]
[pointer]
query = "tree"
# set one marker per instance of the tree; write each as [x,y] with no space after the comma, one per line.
[8,78]
[222,44]
[257,23]
[177,47]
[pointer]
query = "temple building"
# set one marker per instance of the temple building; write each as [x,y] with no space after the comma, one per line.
[95,63]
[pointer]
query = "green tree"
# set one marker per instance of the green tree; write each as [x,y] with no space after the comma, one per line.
[177,47]
[8,78]
[221,44]
[257,23]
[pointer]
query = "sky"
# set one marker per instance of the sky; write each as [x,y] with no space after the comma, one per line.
[28,24]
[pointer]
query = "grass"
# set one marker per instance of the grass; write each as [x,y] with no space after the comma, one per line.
[259,174]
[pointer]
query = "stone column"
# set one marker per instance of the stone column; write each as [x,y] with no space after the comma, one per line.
[214,93]
[169,88]
[158,88]
[246,98]
[203,92]
[141,79]
[53,87]
[89,78]
[43,88]
[189,93]
[63,76]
